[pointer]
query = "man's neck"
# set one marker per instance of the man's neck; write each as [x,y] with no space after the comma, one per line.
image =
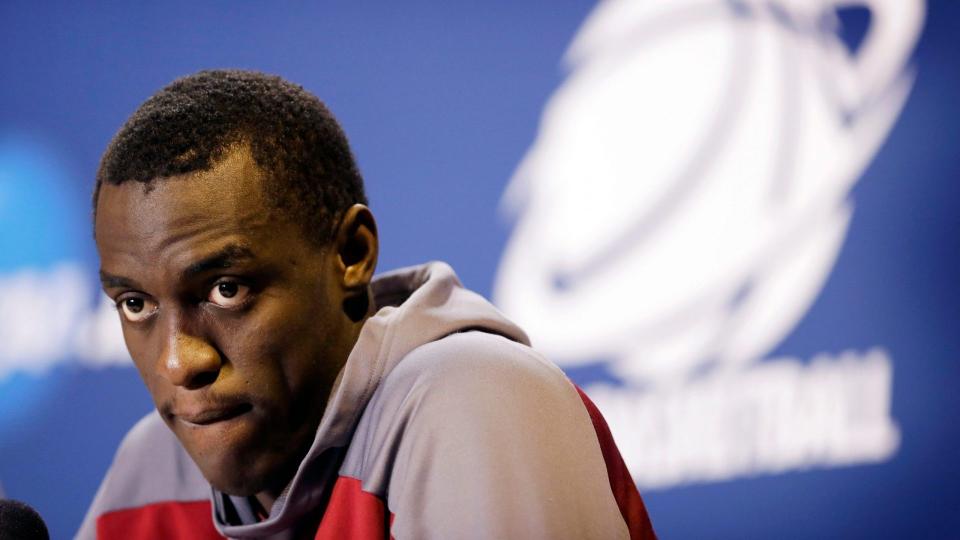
[263,503]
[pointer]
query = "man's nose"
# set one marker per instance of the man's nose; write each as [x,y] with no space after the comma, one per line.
[190,361]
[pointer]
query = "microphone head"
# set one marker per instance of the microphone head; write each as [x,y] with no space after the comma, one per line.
[20,522]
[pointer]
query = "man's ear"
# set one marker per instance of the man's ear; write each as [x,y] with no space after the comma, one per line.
[357,247]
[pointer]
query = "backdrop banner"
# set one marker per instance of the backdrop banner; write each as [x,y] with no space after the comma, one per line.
[732,222]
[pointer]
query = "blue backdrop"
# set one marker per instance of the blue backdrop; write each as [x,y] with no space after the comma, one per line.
[442,101]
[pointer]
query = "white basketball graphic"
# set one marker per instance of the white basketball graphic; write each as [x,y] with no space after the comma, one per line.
[689,189]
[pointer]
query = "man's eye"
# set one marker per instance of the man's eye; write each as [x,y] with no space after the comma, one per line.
[136,309]
[228,294]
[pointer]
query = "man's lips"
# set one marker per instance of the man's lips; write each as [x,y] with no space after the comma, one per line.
[206,414]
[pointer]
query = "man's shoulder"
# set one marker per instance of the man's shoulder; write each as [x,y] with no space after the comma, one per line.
[468,359]
[470,431]
[149,467]
[470,385]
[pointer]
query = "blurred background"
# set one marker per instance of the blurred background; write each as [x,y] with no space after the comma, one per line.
[733,222]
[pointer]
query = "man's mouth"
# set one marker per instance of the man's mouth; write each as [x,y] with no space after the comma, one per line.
[212,414]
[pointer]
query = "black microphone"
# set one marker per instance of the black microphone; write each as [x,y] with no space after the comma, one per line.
[20,522]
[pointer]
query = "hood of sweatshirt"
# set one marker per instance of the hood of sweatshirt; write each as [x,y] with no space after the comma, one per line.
[416,305]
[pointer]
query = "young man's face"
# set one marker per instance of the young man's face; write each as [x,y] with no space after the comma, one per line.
[232,316]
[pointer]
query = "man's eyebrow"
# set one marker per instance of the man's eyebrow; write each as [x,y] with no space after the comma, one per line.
[225,258]
[110,281]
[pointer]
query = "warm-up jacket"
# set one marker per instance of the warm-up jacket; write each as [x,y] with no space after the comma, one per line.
[444,423]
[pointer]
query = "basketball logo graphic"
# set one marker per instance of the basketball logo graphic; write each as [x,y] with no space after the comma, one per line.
[686,198]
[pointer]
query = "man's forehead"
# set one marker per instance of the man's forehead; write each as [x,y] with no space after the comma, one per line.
[184,218]
[233,187]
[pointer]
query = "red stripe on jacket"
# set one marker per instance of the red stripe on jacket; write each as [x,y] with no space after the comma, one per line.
[624,489]
[353,513]
[170,519]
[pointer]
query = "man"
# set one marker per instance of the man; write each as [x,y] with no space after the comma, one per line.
[296,395]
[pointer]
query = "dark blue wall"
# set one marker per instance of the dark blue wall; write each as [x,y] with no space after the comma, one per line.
[441,101]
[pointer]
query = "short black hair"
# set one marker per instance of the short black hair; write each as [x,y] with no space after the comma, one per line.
[193,123]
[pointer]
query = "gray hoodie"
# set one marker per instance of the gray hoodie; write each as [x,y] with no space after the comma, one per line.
[443,423]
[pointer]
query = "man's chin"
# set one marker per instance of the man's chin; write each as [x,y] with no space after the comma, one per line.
[239,478]
[237,459]
[245,473]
